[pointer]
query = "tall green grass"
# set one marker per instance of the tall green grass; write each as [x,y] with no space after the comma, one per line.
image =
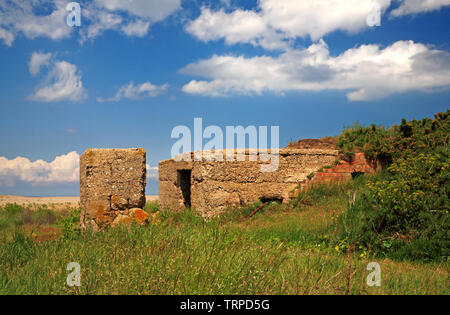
[282,250]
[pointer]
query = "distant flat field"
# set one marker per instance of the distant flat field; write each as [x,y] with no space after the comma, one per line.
[57,201]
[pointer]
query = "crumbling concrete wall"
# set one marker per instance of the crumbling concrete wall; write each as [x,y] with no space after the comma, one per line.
[218,185]
[112,185]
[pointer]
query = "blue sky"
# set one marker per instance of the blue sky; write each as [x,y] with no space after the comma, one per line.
[135,70]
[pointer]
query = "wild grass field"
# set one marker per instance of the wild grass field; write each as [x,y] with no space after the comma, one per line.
[284,249]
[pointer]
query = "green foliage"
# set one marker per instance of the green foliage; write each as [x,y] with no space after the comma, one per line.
[373,141]
[70,224]
[386,145]
[403,212]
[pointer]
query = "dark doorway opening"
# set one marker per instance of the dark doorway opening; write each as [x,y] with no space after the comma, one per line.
[357,174]
[184,181]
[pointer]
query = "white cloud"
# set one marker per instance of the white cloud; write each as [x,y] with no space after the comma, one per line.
[132,91]
[7,37]
[132,17]
[418,6]
[63,169]
[301,18]
[138,28]
[368,72]
[63,82]
[100,21]
[19,17]
[155,10]
[236,27]
[276,21]
[37,61]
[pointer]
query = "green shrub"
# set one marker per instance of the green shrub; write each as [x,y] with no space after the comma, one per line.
[373,141]
[401,213]
[386,145]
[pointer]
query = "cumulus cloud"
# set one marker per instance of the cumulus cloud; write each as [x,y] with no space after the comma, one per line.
[62,82]
[368,72]
[138,28]
[132,17]
[236,27]
[47,18]
[63,169]
[100,21]
[132,91]
[418,6]
[274,22]
[37,61]
[154,10]
[19,17]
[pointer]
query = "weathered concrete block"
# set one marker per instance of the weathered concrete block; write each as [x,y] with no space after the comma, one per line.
[112,181]
[211,186]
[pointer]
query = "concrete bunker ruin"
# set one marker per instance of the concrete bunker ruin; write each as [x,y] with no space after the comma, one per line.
[112,187]
[208,186]
[112,181]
